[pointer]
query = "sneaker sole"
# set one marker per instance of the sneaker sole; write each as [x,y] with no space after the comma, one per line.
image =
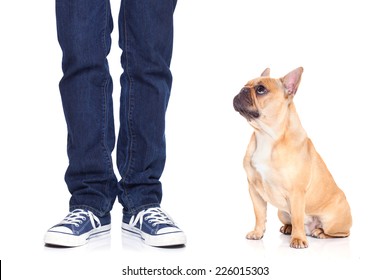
[69,240]
[161,240]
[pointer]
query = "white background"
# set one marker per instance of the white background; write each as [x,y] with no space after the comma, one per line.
[343,103]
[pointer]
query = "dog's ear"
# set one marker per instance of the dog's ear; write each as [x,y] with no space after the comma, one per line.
[291,81]
[266,73]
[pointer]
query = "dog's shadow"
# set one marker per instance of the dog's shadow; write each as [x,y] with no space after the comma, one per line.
[333,248]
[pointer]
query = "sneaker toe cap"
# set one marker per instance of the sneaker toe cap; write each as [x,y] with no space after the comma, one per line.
[168,230]
[61,229]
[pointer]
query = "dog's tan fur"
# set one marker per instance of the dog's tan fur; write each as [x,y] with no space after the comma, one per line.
[283,167]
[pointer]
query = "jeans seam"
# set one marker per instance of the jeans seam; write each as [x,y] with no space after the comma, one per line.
[106,150]
[105,85]
[129,155]
[129,117]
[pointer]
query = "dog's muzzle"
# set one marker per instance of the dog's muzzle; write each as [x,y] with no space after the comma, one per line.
[242,103]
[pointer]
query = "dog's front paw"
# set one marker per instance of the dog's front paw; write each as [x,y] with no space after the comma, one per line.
[298,243]
[255,235]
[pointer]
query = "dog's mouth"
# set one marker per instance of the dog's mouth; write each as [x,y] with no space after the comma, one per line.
[249,115]
[241,105]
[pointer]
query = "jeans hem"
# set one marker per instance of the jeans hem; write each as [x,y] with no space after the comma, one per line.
[135,211]
[89,208]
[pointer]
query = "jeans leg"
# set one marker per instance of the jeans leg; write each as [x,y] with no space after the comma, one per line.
[84,29]
[146,38]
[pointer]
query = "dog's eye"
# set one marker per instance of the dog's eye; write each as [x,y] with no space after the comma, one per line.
[261,90]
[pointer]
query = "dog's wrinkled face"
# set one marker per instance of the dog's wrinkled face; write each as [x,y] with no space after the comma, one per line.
[262,100]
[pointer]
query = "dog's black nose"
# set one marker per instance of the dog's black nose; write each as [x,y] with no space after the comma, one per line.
[245,90]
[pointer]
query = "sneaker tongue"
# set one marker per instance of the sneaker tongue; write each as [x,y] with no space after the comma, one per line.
[158,218]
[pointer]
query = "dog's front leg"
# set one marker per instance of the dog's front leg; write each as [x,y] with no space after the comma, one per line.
[260,208]
[255,184]
[297,206]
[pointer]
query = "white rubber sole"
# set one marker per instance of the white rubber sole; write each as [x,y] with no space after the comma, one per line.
[161,240]
[69,240]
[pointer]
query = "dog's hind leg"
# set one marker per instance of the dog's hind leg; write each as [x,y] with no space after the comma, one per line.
[285,218]
[335,226]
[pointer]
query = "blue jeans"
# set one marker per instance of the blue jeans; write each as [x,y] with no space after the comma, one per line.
[145,37]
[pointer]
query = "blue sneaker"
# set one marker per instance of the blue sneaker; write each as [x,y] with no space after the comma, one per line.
[77,228]
[154,227]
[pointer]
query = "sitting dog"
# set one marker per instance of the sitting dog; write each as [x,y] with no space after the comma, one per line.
[283,167]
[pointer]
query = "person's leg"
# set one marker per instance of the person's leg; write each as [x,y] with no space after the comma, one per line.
[84,29]
[146,38]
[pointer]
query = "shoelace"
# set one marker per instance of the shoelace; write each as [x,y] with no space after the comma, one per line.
[155,216]
[76,217]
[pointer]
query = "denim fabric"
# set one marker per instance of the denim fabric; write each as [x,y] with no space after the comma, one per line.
[145,37]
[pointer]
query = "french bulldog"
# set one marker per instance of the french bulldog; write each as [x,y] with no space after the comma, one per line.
[283,167]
